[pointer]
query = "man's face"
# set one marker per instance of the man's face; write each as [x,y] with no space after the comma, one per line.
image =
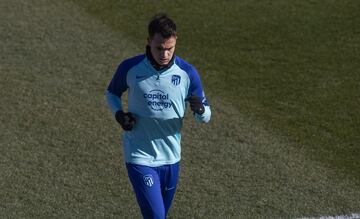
[162,49]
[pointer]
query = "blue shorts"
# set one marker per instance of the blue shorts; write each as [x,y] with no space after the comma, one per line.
[154,188]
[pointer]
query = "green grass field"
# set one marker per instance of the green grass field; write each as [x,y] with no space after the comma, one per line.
[282,78]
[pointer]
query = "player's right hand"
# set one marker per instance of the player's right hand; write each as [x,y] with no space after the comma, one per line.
[196,104]
[126,120]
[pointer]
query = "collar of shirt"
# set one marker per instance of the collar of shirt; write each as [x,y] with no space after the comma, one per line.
[156,66]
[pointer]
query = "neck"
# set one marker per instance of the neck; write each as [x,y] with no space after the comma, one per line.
[156,65]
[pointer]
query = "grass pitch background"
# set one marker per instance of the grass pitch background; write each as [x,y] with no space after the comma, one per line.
[282,79]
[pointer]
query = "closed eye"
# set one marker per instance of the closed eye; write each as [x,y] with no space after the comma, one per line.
[161,48]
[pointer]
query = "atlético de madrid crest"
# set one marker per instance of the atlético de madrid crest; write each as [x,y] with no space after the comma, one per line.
[175,79]
[148,180]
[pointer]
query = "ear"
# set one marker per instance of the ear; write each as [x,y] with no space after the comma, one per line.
[149,40]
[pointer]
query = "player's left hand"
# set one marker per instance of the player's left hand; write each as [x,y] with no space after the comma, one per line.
[196,104]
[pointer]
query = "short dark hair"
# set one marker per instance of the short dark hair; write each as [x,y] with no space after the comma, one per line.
[163,25]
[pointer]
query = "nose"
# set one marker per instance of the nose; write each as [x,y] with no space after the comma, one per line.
[164,54]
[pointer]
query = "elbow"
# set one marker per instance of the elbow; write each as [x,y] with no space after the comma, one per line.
[207,118]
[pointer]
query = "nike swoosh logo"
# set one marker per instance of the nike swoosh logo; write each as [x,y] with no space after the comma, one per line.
[167,189]
[140,76]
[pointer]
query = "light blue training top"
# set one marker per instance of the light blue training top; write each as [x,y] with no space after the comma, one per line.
[157,100]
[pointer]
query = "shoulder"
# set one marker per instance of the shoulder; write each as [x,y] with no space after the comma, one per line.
[127,64]
[190,70]
[185,66]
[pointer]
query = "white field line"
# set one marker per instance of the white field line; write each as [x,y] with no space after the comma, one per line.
[350,216]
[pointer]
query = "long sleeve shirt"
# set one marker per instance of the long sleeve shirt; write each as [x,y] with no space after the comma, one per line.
[157,99]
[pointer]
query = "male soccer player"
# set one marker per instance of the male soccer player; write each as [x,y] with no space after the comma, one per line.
[159,85]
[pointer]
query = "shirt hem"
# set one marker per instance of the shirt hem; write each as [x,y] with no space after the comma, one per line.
[152,164]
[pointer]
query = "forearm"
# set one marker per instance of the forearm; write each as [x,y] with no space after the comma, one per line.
[113,101]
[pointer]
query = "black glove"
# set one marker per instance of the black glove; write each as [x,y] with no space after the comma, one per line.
[196,104]
[126,120]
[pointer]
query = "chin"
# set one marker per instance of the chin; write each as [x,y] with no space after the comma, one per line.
[164,63]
